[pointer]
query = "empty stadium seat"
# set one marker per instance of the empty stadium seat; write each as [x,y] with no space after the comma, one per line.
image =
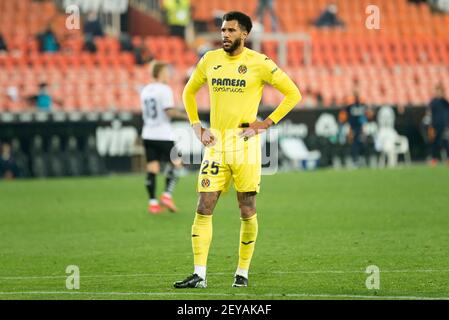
[397,64]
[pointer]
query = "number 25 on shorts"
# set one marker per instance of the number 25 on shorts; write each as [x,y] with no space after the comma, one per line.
[213,168]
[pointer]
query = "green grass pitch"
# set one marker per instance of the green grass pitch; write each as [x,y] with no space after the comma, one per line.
[318,232]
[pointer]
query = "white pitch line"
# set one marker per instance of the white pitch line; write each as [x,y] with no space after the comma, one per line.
[221,273]
[297,295]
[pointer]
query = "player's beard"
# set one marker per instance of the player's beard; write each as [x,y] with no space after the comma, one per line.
[234,46]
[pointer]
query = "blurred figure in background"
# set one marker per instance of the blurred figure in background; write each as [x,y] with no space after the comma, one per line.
[43,98]
[142,54]
[89,43]
[340,141]
[39,158]
[13,99]
[93,26]
[370,130]
[201,45]
[74,158]
[12,92]
[8,167]
[20,158]
[218,18]
[56,159]
[267,5]
[319,99]
[439,108]
[357,118]
[329,18]
[427,133]
[94,163]
[177,16]
[47,41]
[126,42]
[3,47]
[158,108]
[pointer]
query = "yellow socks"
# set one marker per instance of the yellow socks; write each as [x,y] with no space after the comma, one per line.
[248,236]
[201,238]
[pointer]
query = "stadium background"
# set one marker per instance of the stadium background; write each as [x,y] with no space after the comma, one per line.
[319,230]
[95,82]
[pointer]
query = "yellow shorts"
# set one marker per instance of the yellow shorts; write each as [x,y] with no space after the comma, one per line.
[218,167]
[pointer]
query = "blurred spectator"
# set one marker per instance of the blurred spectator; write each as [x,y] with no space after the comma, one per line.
[8,166]
[370,130]
[93,162]
[439,108]
[39,160]
[142,54]
[89,43]
[3,47]
[218,18]
[92,28]
[427,133]
[313,99]
[201,46]
[326,128]
[333,103]
[125,42]
[92,25]
[13,93]
[309,100]
[47,41]
[177,16]
[438,5]
[56,158]
[319,99]
[267,5]
[257,32]
[357,118]
[74,158]
[20,158]
[258,29]
[42,100]
[340,141]
[329,18]
[13,101]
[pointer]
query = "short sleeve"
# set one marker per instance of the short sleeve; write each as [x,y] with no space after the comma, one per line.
[168,100]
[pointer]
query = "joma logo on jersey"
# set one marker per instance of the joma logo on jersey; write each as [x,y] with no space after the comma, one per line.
[228,82]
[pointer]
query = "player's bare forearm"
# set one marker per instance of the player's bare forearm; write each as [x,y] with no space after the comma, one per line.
[176,114]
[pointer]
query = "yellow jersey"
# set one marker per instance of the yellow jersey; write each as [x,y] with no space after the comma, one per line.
[235,86]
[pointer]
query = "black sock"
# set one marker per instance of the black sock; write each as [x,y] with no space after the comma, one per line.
[170,181]
[151,185]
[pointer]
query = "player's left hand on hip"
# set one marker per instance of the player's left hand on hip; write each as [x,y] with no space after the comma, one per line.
[254,128]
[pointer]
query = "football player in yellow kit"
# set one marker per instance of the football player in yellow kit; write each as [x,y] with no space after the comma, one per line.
[235,76]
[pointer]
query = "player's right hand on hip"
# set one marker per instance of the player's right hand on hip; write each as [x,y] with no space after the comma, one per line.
[207,138]
[204,135]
